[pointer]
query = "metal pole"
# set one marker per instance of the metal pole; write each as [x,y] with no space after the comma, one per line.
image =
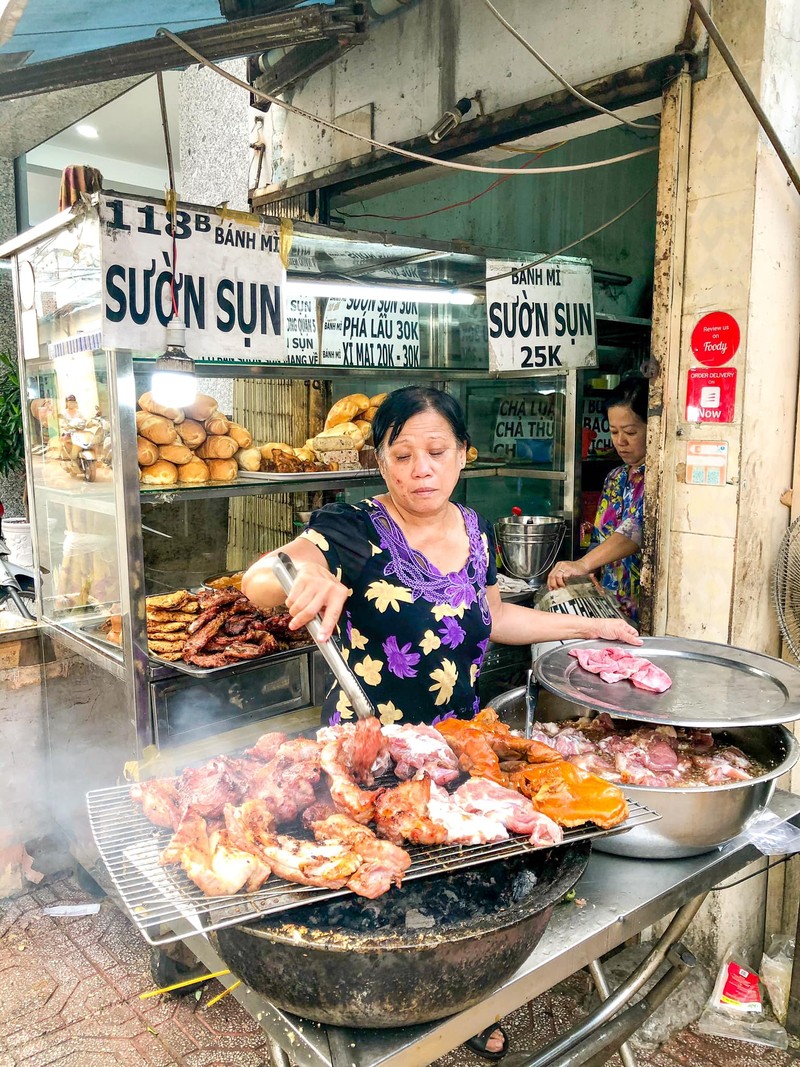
[276,1054]
[623,993]
[747,92]
[603,991]
[165,123]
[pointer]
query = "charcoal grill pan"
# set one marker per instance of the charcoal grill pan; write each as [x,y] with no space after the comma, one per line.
[312,965]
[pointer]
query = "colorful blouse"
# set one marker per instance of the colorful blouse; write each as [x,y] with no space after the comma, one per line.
[621,510]
[415,637]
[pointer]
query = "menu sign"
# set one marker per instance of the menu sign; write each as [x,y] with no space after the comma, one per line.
[359,332]
[541,319]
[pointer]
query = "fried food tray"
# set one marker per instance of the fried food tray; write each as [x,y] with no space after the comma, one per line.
[229,668]
[160,898]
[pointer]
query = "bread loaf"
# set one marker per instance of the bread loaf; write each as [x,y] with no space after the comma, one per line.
[147,452]
[146,403]
[217,424]
[377,400]
[249,459]
[218,448]
[195,471]
[177,454]
[223,470]
[365,427]
[203,408]
[159,473]
[369,414]
[191,432]
[242,437]
[343,429]
[343,410]
[156,428]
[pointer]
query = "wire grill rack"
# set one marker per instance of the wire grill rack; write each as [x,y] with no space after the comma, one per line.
[159,898]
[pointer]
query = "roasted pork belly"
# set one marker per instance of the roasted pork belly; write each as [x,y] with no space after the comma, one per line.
[419,748]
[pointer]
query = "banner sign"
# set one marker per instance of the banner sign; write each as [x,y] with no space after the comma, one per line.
[711,395]
[540,318]
[524,427]
[229,282]
[358,332]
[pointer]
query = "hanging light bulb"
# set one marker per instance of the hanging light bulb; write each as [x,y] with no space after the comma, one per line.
[174,381]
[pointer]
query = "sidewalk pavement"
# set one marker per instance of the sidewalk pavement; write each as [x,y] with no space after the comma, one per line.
[69,995]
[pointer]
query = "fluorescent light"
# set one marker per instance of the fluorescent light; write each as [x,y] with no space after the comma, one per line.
[85,130]
[347,291]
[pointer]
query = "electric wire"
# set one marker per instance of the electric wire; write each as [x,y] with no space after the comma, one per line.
[566,248]
[560,78]
[392,149]
[754,874]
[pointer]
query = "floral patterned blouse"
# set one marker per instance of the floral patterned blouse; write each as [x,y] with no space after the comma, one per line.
[415,637]
[620,510]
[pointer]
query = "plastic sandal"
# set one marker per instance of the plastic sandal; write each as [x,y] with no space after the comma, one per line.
[478,1043]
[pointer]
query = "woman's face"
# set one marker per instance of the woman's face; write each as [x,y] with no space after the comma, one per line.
[422,466]
[628,434]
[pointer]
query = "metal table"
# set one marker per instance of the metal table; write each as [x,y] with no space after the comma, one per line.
[623,897]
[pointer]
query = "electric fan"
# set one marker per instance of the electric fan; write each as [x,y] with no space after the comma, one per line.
[786,588]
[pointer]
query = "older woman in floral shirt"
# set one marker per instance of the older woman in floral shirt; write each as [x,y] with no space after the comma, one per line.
[409,577]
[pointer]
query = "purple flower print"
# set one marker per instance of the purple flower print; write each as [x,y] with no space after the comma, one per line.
[451,632]
[442,717]
[335,719]
[401,661]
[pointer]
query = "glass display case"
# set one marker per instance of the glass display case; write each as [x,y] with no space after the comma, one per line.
[104,541]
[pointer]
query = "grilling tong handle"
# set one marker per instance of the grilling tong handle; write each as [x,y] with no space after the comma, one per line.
[285,571]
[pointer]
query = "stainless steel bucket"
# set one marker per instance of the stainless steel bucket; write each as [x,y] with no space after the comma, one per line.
[529,544]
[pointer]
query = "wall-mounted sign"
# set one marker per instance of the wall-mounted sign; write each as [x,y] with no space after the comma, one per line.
[715,339]
[524,427]
[228,282]
[596,432]
[706,462]
[711,395]
[300,329]
[540,318]
[358,332]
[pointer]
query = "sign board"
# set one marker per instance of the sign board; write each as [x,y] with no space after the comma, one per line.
[301,335]
[524,427]
[711,395]
[228,282]
[596,432]
[706,462]
[358,332]
[540,319]
[715,339]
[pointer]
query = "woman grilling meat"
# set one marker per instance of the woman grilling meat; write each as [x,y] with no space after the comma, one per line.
[410,580]
[617,535]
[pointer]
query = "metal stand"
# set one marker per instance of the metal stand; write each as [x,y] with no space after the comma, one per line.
[603,991]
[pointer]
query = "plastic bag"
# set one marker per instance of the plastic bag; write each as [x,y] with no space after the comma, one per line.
[735,1008]
[776,973]
[772,836]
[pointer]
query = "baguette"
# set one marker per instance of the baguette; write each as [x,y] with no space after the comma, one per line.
[177,454]
[217,424]
[202,408]
[146,403]
[344,410]
[242,437]
[248,459]
[146,452]
[223,470]
[377,400]
[191,432]
[159,473]
[155,428]
[218,447]
[193,472]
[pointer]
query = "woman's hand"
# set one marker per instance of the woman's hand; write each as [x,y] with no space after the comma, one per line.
[562,572]
[316,592]
[615,630]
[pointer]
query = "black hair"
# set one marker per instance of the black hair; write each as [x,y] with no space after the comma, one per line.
[402,404]
[630,393]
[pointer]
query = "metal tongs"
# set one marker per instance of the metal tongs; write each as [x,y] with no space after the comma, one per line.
[285,571]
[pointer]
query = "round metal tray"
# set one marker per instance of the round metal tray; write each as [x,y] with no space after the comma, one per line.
[712,685]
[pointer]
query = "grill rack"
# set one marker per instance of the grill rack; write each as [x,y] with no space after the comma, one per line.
[158,897]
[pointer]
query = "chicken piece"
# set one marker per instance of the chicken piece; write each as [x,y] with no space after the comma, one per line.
[329,866]
[507,745]
[266,746]
[159,800]
[217,867]
[250,824]
[192,829]
[421,748]
[570,796]
[286,786]
[210,787]
[384,863]
[473,749]
[347,796]
[362,748]
[515,811]
[401,814]
[463,827]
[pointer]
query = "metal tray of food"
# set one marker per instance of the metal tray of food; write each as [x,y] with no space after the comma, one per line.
[218,581]
[712,685]
[306,476]
[228,668]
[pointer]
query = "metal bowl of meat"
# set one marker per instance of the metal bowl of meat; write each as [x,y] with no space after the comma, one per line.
[224,581]
[430,949]
[732,782]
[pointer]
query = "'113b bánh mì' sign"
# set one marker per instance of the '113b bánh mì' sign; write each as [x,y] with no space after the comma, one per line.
[540,318]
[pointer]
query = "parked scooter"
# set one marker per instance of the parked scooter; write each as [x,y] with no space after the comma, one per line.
[13,595]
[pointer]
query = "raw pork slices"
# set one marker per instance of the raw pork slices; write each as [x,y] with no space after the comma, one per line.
[614,664]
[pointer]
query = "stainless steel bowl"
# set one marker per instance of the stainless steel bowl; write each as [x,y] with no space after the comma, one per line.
[695,820]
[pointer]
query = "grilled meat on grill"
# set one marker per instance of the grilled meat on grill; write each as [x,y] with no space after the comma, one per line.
[463,827]
[347,796]
[511,808]
[210,787]
[212,861]
[363,748]
[159,800]
[570,796]
[421,748]
[266,746]
[309,863]
[384,863]
[401,814]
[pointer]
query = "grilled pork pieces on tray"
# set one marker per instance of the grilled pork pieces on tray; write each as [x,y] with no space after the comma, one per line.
[230,816]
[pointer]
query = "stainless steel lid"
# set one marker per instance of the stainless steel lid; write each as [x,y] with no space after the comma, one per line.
[713,685]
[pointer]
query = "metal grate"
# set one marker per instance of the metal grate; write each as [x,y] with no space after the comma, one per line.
[158,897]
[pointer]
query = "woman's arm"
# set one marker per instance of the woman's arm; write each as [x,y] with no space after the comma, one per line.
[315,591]
[615,546]
[513,624]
